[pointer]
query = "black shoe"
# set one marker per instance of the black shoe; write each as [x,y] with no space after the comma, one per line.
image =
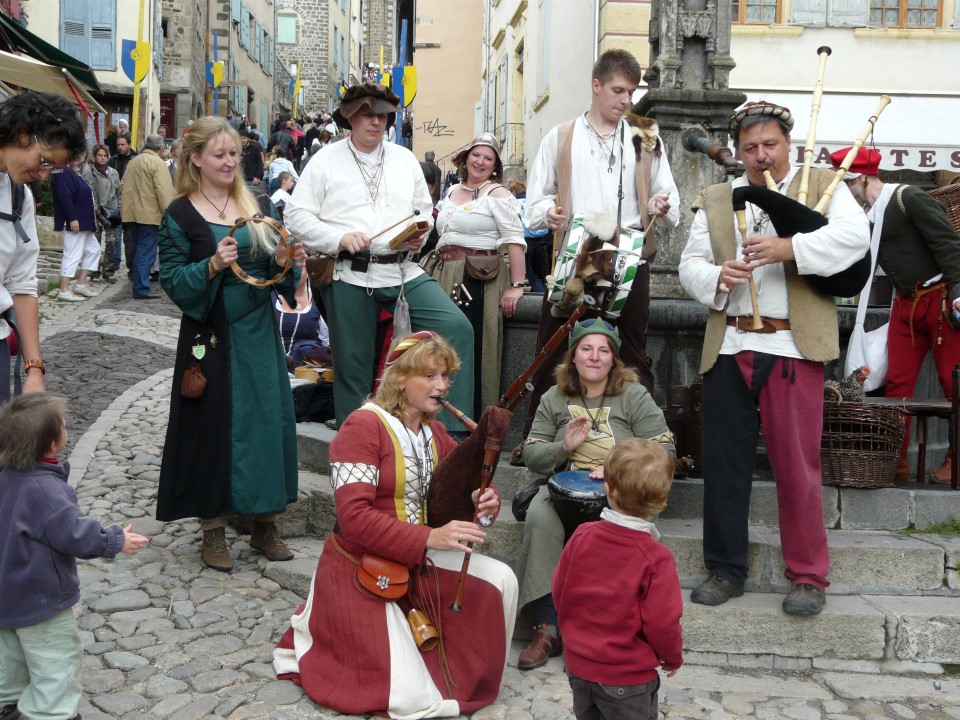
[716,590]
[154,277]
[9,712]
[804,599]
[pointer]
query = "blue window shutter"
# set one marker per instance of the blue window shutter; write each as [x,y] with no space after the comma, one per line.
[848,13]
[75,29]
[811,13]
[103,35]
[235,8]
[270,54]
[244,27]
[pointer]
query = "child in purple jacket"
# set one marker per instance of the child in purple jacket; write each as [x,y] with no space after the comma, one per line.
[41,536]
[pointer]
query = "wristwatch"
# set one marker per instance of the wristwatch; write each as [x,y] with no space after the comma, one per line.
[35,363]
[518,284]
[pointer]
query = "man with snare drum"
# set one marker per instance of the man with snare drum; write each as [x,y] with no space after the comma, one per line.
[584,165]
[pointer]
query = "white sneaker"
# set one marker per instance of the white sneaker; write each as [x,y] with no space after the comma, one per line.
[69,297]
[84,291]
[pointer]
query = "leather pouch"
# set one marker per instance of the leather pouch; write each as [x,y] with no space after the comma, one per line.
[482,267]
[193,383]
[523,498]
[320,270]
[385,579]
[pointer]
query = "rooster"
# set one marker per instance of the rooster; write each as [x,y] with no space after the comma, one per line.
[850,389]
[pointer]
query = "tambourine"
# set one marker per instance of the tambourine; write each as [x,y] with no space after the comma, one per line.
[284,237]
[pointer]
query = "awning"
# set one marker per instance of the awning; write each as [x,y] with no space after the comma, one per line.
[36,47]
[913,132]
[34,75]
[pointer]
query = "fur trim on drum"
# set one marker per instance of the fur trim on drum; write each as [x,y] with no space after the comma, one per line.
[600,225]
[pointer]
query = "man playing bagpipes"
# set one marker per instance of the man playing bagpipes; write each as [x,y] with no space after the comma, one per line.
[586,164]
[777,368]
[919,251]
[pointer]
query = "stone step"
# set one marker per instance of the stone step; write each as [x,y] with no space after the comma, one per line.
[897,508]
[862,561]
[854,633]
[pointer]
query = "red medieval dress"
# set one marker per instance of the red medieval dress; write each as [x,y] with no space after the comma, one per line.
[354,653]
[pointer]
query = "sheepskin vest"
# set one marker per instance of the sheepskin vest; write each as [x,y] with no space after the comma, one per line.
[813,316]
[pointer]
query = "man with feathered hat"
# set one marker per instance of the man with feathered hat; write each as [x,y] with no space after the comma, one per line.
[344,201]
[777,369]
[919,250]
[608,161]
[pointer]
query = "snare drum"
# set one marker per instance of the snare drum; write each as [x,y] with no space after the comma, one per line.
[611,294]
[577,498]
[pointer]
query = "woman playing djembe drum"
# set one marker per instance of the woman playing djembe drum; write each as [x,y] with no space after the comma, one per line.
[596,403]
[352,648]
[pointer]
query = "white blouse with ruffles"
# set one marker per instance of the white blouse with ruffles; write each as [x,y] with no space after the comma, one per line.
[487,223]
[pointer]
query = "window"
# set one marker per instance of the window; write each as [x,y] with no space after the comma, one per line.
[286,29]
[756,12]
[336,48]
[88,32]
[905,13]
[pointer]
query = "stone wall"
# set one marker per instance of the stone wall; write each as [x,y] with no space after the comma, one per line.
[184,57]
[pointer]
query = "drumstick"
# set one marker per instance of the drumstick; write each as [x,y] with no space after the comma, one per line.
[387,229]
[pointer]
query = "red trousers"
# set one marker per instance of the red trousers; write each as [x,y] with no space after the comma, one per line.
[930,331]
[788,394]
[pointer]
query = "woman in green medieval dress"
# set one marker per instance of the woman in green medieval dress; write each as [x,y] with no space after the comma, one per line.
[232,450]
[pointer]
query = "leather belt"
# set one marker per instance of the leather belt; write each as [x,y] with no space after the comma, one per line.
[451,253]
[920,292]
[744,323]
[364,255]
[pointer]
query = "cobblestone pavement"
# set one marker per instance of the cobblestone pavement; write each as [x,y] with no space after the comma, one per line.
[168,638]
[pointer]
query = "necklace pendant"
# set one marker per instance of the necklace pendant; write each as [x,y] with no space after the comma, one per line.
[223,215]
[595,425]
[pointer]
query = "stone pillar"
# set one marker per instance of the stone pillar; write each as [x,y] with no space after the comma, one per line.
[690,66]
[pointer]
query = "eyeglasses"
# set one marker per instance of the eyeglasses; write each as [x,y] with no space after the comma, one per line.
[590,322]
[45,164]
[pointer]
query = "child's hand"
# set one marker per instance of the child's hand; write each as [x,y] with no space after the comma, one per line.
[670,670]
[132,543]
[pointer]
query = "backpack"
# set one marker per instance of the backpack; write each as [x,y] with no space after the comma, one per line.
[17,196]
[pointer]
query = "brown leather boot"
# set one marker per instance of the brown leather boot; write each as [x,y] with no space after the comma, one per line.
[215,553]
[903,469]
[267,540]
[943,475]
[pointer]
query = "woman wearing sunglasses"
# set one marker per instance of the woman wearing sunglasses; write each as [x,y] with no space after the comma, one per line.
[39,132]
[597,402]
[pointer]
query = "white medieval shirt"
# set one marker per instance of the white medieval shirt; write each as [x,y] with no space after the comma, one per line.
[832,248]
[592,187]
[334,198]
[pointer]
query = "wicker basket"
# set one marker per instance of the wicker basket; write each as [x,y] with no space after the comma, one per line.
[949,197]
[860,445]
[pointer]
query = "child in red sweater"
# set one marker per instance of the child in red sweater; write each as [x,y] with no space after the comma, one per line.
[618,595]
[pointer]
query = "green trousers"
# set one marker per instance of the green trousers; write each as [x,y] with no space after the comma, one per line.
[352,317]
[40,668]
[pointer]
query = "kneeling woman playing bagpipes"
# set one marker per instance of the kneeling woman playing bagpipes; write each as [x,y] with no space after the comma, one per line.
[596,403]
[351,646]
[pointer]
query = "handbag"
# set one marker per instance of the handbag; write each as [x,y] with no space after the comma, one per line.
[523,498]
[868,347]
[320,270]
[193,383]
[377,576]
[482,267]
